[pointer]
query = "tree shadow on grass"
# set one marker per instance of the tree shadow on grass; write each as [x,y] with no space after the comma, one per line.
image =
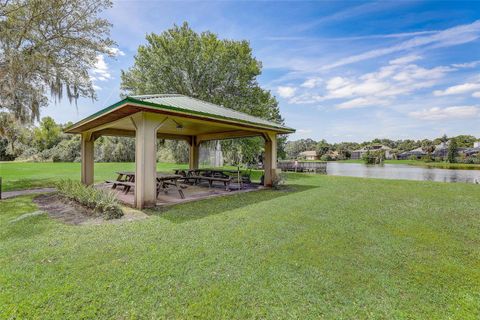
[203,208]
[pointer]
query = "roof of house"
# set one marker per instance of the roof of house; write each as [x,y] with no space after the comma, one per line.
[181,104]
[373,147]
[415,151]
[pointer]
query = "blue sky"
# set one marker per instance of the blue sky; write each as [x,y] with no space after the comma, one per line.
[342,71]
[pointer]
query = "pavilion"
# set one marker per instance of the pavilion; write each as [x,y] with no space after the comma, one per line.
[170,116]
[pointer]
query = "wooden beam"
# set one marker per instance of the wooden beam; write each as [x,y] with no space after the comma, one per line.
[87,158]
[270,159]
[194,153]
[131,133]
[227,135]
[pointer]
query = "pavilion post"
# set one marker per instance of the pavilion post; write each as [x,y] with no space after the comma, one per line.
[146,128]
[270,158]
[194,153]
[87,158]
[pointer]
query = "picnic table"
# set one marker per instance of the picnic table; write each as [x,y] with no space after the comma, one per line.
[164,182]
[226,176]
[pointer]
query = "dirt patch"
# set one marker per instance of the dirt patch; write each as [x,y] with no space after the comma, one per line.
[70,212]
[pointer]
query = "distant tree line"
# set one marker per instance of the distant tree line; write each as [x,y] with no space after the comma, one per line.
[342,150]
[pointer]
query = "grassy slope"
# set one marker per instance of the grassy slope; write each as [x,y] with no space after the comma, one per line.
[328,247]
[24,175]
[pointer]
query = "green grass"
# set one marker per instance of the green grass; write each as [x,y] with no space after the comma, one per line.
[25,175]
[324,247]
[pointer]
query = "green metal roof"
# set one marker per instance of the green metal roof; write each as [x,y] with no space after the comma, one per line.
[188,105]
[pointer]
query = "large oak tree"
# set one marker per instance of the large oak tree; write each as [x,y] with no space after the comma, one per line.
[49,46]
[201,65]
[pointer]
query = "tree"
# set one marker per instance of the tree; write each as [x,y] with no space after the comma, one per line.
[465,141]
[49,45]
[47,134]
[203,66]
[293,148]
[11,130]
[452,150]
[428,146]
[322,147]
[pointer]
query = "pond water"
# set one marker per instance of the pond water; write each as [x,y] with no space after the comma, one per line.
[401,171]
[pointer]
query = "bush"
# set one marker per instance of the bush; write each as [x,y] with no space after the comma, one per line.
[279,180]
[326,157]
[374,157]
[100,201]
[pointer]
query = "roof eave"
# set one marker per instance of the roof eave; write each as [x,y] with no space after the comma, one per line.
[71,129]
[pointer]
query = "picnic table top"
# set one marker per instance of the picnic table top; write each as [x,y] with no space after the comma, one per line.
[209,169]
[159,175]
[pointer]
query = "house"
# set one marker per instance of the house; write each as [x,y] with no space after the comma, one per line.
[472,151]
[308,155]
[441,150]
[358,154]
[417,153]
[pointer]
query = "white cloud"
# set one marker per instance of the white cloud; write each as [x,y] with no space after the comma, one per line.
[448,37]
[286,91]
[361,102]
[311,83]
[116,52]
[100,69]
[306,99]
[405,59]
[471,64]
[436,113]
[378,88]
[458,89]
[476,94]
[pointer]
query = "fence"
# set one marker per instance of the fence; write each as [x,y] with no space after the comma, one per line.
[303,166]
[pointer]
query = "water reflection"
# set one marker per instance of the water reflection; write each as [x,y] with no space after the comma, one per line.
[400,171]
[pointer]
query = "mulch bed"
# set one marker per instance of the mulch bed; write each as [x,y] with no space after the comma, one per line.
[60,208]
[70,212]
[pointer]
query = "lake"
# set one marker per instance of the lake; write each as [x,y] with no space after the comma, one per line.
[401,171]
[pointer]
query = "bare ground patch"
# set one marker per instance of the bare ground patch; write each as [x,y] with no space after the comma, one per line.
[70,212]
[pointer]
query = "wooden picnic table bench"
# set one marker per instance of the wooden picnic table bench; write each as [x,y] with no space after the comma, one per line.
[226,176]
[164,182]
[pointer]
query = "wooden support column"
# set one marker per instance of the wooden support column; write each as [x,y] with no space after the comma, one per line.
[194,153]
[146,127]
[270,158]
[87,157]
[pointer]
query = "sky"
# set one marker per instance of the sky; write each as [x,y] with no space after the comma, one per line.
[341,71]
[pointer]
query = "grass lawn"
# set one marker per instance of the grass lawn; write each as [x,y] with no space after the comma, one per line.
[25,175]
[323,247]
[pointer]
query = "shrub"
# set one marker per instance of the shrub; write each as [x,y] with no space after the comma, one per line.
[100,201]
[278,180]
[326,157]
[374,157]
